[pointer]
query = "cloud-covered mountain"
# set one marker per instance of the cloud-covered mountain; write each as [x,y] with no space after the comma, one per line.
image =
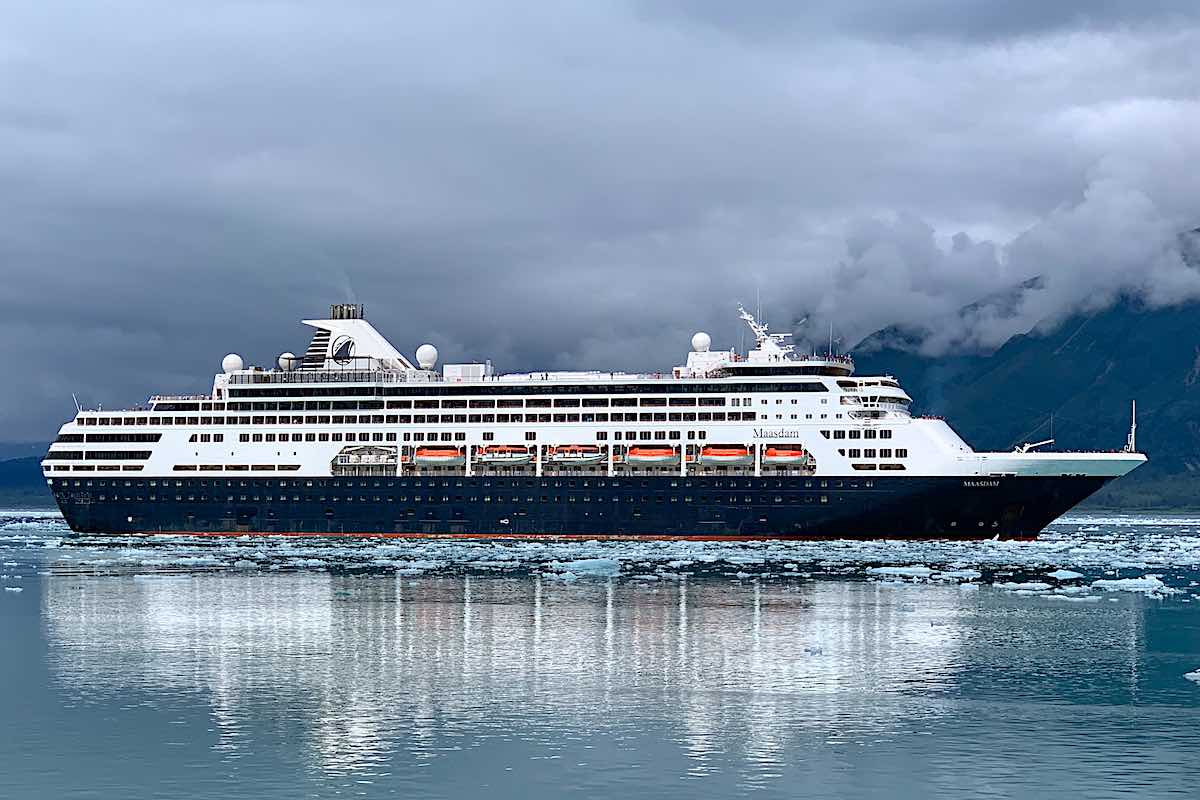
[582,185]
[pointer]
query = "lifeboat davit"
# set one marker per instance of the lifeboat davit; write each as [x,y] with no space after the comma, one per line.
[576,454]
[782,455]
[435,456]
[504,454]
[651,455]
[724,455]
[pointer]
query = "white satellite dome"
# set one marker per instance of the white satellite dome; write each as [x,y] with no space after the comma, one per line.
[701,342]
[427,356]
[232,363]
[288,362]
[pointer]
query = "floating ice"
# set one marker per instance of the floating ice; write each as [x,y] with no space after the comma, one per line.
[1164,545]
[592,567]
[959,574]
[1194,677]
[1064,575]
[902,572]
[1147,584]
[13,589]
[1027,587]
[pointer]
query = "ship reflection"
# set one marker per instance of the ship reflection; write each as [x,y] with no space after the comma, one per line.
[371,667]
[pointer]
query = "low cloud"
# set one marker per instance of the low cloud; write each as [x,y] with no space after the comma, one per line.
[574,188]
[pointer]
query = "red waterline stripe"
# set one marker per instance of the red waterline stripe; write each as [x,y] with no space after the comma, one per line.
[618,537]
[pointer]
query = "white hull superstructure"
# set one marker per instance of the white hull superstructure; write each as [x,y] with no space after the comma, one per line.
[355,407]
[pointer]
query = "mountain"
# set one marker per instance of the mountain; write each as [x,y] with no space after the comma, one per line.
[1078,381]
[22,484]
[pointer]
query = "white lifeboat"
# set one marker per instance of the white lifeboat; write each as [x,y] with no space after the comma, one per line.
[575,454]
[783,455]
[504,454]
[724,455]
[439,456]
[651,455]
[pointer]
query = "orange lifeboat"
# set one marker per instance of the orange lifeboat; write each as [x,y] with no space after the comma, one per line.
[504,455]
[782,455]
[439,456]
[724,455]
[651,455]
[576,454]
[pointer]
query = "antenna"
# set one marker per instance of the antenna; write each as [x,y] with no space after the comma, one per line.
[1131,440]
[78,407]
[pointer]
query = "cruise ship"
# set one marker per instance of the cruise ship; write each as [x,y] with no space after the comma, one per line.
[354,439]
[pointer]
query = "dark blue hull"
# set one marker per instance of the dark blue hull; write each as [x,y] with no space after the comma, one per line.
[626,507]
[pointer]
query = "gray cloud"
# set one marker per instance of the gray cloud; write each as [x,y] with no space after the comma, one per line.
[581,187]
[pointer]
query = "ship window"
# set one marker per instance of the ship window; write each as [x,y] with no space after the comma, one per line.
[870,434]
[885,452]
[375,437]
[901,452]
[601,436]
[840,434]
[885,434]
[869,452]
[855,434]
[891,466]
[530,436]
[855,452]
[674,435]
[244,437]
[825,434]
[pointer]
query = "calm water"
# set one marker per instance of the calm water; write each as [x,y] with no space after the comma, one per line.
[436,669]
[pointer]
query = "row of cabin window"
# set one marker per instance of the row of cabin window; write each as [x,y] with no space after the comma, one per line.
[102,467]
[443,436]
[97,455]
[451,419]
[376,405]
[870,452]
[487,498]
[236,468]
[458,482]
[659,387]
[855,433]
[108,437]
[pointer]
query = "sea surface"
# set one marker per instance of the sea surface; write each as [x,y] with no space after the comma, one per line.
[154,667]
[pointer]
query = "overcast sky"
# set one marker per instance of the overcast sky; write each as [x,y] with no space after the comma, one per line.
[571,184]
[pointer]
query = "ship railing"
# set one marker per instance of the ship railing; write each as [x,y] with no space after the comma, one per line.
[177,397]
[319,376]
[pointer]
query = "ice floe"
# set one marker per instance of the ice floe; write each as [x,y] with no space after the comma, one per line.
[1121,550]
[1147,584]
[1026,586]
[1194,677]
[1064,574]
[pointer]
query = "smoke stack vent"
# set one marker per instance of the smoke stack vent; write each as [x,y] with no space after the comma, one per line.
[346,311]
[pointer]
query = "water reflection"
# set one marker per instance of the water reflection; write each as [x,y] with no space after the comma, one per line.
[362,663]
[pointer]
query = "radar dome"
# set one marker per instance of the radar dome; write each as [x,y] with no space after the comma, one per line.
[427,356]
[288,362]
[232,363]
[701,342]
